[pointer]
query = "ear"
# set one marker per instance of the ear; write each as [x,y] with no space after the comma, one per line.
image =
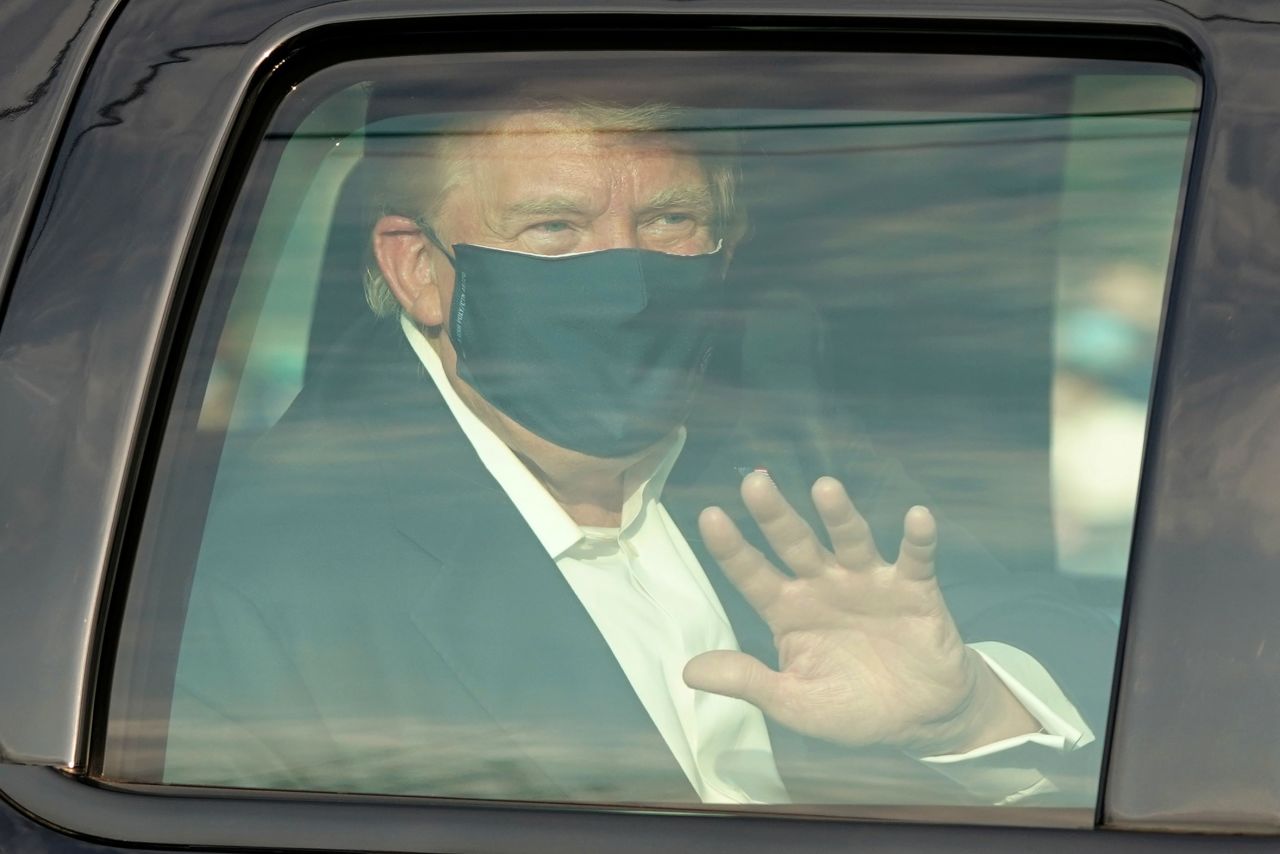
[404,256]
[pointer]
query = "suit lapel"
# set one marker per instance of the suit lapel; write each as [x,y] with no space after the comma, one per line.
[500,614]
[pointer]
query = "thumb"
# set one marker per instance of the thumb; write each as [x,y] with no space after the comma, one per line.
[733,674]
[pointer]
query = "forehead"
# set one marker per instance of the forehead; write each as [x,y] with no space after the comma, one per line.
[552,141]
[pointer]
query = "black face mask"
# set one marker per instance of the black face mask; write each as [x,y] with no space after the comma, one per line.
[600,352]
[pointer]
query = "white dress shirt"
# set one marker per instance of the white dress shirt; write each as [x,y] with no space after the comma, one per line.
[650,598]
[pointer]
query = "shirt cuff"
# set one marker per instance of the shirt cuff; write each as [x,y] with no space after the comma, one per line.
[1011,769]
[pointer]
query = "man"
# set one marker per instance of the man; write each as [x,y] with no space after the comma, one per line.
[502,583]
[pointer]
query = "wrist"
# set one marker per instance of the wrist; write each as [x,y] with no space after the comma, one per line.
[988,714]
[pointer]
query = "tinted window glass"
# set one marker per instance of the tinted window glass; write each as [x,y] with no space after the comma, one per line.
[664,428]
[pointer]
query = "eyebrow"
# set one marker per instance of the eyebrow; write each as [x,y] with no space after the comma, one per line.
[546,206]
[697,198]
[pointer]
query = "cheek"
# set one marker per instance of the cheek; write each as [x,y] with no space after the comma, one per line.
[697,242]
[704,240]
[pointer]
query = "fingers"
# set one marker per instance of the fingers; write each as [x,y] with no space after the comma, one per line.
[794,541]
[750,571]
[788,534]
[919,544]
[735,674]
[850,535]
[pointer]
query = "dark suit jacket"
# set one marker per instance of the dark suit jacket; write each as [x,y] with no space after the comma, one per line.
[370,613]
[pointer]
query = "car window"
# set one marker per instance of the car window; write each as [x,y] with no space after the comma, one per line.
[702,429]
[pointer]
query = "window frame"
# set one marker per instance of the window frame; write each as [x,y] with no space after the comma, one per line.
[193,819]
[295,96]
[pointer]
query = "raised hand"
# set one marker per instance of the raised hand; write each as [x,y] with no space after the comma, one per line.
[868,652]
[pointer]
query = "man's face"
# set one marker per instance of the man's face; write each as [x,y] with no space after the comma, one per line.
[544,184]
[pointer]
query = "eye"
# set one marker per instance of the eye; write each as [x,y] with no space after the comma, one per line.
[552,227]
[552,236]
[673,220]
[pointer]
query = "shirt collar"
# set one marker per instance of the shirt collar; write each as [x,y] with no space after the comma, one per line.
[555,530]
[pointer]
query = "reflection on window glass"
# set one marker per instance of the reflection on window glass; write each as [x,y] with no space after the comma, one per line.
[1118,211]
[698,434]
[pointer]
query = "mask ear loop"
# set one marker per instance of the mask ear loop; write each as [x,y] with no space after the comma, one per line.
[430,233]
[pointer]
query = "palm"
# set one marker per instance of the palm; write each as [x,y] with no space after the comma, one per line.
[868,652]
